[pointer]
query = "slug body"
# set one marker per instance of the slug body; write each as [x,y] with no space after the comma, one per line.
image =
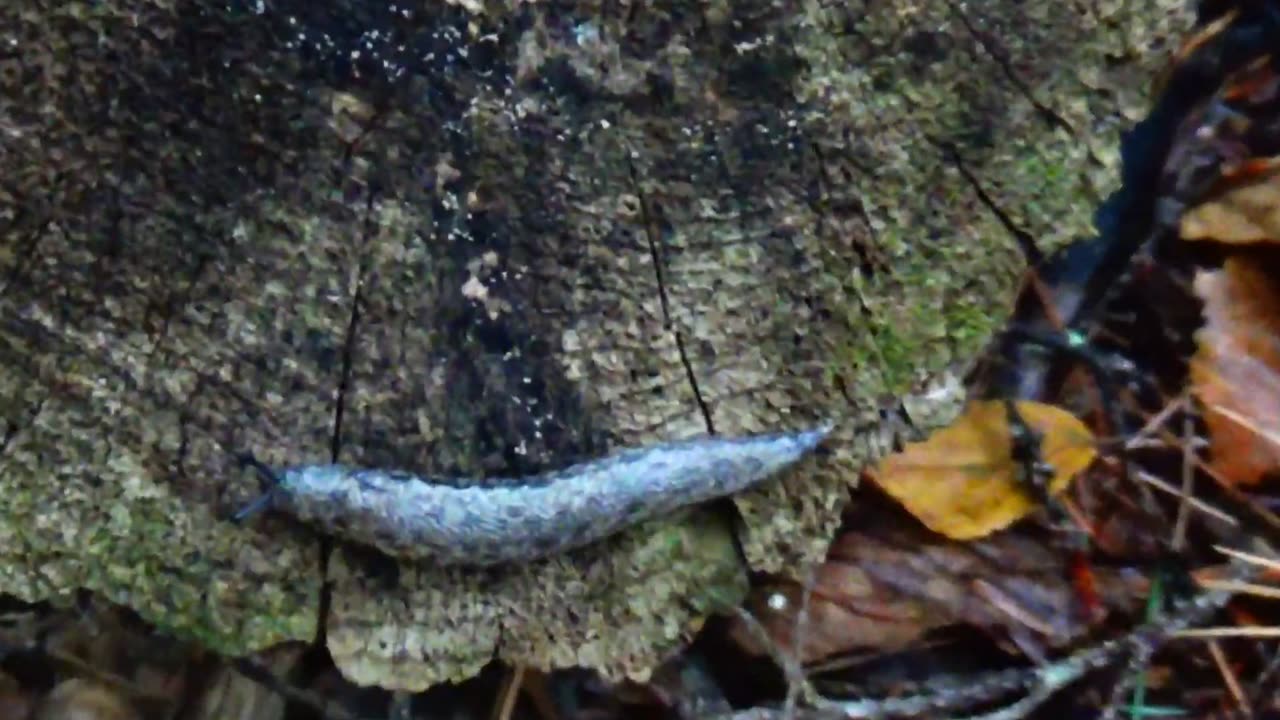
[529,518]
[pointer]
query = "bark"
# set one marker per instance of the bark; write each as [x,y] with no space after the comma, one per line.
[502,238]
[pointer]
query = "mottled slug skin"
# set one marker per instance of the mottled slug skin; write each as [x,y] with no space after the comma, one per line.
[530,518]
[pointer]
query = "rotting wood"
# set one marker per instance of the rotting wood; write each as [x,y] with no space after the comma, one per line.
[563,230]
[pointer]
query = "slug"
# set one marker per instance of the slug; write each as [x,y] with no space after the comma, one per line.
[528,518]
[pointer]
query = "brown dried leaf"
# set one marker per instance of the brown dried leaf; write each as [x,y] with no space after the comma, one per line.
[885,587]
[847,609]
[78,699]
[15,701]
[962,481]
[1247,212]
[1236,370]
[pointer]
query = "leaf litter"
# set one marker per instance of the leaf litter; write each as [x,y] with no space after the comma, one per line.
[1199,219]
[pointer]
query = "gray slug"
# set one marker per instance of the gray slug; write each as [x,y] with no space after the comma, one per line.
[529,518]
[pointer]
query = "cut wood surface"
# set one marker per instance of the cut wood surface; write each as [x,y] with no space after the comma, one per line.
[498,239]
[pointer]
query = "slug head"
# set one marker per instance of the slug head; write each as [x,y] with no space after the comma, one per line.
[263,501]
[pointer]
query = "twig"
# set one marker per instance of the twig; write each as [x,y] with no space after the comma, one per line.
[1038,684]
[1244,588]
[509,693]
[263,675]
[1229,677]
[1248,631]
[791,668]
[1190,502]
[800,637]
[1188,487]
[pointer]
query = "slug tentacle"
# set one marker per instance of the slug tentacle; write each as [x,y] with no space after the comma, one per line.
[263,501]
[527,518]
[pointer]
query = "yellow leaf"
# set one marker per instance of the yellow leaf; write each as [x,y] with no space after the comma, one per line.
[962,482]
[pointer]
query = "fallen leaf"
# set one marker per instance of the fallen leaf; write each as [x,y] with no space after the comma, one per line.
[887,583]
[1235,372]
[848,609]
[962,481]
[15,701]
[79,699]
[1247,212]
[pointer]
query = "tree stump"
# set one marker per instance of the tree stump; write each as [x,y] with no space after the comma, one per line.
[487,239]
